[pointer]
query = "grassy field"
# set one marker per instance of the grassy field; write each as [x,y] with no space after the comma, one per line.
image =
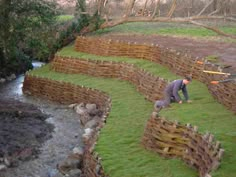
[160,28]
[119,142]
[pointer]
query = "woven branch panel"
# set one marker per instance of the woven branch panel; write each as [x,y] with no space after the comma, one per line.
[68,93]
[167,138]
[149,85]
[177,62]
[170,139]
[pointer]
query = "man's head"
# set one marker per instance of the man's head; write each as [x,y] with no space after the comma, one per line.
[187,80]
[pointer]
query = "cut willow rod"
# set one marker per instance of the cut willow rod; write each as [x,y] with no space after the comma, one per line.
[216,72]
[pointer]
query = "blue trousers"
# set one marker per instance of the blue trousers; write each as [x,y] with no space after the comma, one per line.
[166,102]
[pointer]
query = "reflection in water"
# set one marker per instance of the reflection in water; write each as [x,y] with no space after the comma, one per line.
[13,89]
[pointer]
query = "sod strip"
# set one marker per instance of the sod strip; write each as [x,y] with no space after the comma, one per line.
[205,112]
[119,142]
[151,67]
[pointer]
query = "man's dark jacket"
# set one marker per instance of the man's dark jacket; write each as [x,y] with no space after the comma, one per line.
[173,88]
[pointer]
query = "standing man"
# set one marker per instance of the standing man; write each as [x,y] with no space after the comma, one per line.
[172,95]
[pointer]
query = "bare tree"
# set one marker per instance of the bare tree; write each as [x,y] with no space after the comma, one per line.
[144,7]
[155,8]
[206,13]
[172,9]
[206,6]
[130,6]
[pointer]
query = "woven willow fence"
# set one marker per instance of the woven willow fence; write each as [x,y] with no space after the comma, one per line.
[170,139]
[68,93]
[149,85]
[167,138]
[177,62]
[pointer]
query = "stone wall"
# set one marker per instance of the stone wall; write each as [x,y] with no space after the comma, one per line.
[177,62]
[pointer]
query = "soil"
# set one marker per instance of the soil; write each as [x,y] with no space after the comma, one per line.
[224,53]
[22,131]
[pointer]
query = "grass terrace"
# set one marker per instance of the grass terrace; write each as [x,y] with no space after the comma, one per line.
[169,29]
[119,144]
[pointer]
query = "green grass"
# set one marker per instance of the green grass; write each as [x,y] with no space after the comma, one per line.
[213,58]
[64,18]
[177,29]
[119,141]
[146,65]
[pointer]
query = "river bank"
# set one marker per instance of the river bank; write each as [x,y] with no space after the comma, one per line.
[40,133]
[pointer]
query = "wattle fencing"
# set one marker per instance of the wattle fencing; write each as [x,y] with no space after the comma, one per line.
[179,63]
[167,138]
[67,93]
[170,139]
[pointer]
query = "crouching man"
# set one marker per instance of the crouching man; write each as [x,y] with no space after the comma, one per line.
[172,95]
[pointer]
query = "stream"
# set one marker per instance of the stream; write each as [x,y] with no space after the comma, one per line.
[67,133]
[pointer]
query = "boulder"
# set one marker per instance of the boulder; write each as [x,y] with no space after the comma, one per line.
[91,124]
[78,150]
[2,80]
[74,173]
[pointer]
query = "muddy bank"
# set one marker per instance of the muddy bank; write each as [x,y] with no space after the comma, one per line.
[36,146]
[22,132]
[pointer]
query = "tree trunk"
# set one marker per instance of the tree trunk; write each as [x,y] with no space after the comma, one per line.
[214,29]
[172,9]
[144,7]
[215,5]
[130,6]
[155,9]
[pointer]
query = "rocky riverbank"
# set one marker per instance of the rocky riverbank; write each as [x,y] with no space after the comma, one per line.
[22,132]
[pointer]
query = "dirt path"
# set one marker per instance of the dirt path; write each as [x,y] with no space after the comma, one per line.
[224,52]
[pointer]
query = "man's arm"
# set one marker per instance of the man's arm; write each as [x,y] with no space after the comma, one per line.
[185,93]
[176,88]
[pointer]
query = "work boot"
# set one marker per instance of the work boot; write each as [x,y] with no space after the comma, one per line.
[172,99]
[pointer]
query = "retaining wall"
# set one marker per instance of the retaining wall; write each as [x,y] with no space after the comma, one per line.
[149,85]
[165,137]
[177,62]
[162,136]
[170,139]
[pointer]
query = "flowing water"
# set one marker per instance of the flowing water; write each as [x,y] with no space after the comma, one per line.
[67,133]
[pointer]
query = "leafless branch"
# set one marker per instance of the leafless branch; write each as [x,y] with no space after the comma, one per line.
[155,9]
[206,6]
[144,7]
[129,8]
[172,9]
[213,29]
[166,19]
[214,12]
